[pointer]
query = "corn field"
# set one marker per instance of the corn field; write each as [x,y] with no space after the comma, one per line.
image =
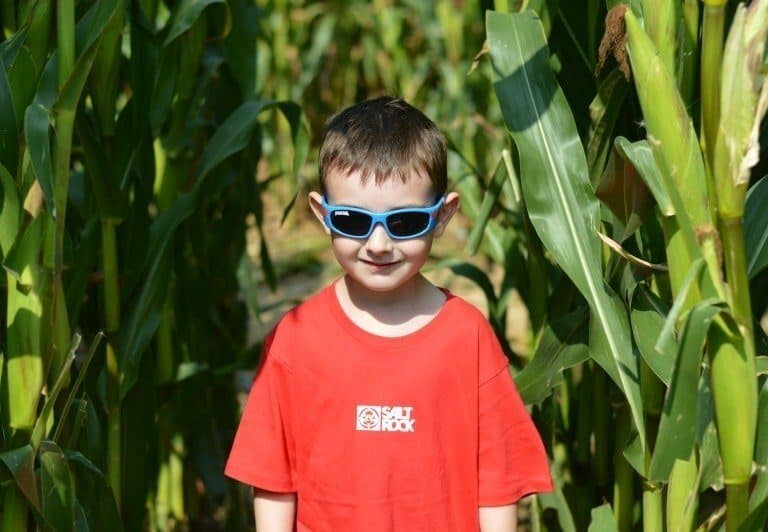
[610,160]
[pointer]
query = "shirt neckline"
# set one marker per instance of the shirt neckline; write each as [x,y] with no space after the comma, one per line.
[384,342]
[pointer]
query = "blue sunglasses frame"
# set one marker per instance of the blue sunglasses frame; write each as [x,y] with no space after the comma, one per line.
[381,218]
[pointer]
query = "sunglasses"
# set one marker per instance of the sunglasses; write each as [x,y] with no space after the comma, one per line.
[400,224]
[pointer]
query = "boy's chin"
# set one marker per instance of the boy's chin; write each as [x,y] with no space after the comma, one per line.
[377,282]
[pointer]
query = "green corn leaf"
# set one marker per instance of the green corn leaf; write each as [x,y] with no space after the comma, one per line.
[756,227]
[92,25]
[557,502]
[235,133]
[106,70]
[10,212]
[47,87]
[10,48]
[666,335]
[682,494]
[495,242]
[677,431]
[81,520]
[75,388]
[761,364]
[101,508]
[563,344]
[474,274]
[743,104]
[69,95]
[249,283]
[314,58]
[57,487]
[24,366]
[22,73]
[21,464]
[186,13]
[89,31]
[603,111]
[710,466]
[110,202]
[267,266]
[36,129]
[490,198]
[635,456]
[556,187]
[141,324]
[603,520]
[641,156]
[38,22]
[760,491]
[756,518]
[688,51]
[77,280]
[42,424]
[9,145]
[164,89]
[241,46]
[648,315]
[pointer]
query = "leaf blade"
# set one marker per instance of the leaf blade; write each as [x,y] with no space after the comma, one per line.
[562,207]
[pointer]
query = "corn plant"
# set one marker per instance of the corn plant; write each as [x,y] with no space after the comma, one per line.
[657,241]
[128,127]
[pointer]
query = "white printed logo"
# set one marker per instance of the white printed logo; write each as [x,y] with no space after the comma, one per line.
[385,418]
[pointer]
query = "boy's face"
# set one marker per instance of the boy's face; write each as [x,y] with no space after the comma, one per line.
[379,262]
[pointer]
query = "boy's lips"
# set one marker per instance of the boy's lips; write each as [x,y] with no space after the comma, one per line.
[379,264]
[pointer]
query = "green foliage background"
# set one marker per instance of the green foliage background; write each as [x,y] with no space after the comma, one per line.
[143,139]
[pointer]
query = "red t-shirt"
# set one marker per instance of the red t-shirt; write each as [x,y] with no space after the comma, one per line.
[411,433]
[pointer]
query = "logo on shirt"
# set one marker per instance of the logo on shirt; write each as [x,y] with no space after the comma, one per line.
[385,418]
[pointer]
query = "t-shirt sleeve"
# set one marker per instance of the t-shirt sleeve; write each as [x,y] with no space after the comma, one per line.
[262,451]
[512,461]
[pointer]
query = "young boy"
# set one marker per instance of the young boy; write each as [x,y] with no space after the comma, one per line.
[384,403]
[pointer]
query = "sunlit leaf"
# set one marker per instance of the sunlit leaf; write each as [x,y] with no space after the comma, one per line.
[563,344]
[556,187]
[603,520]
[677,430]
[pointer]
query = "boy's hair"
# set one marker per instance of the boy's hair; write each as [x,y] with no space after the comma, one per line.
[384,137]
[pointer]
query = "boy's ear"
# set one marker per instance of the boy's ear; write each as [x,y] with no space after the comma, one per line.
[316,204]
[449,208]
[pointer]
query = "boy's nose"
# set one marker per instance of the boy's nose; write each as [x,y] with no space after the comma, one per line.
[379,241]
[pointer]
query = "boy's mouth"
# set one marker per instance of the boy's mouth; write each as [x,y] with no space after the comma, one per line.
[379,264]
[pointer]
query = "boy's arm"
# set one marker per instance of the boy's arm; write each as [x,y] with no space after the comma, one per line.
[274,512]
[498,518]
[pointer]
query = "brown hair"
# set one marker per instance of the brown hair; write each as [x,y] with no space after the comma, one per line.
[384,137]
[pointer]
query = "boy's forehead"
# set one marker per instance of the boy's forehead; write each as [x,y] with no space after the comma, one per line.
[392,193]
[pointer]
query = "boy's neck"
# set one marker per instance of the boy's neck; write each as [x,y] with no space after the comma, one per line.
[418,298]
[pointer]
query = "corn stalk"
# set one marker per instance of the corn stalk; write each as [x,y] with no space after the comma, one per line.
[699,214]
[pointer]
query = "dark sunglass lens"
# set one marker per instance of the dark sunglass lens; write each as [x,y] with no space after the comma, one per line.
[407,223]
[351,222]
